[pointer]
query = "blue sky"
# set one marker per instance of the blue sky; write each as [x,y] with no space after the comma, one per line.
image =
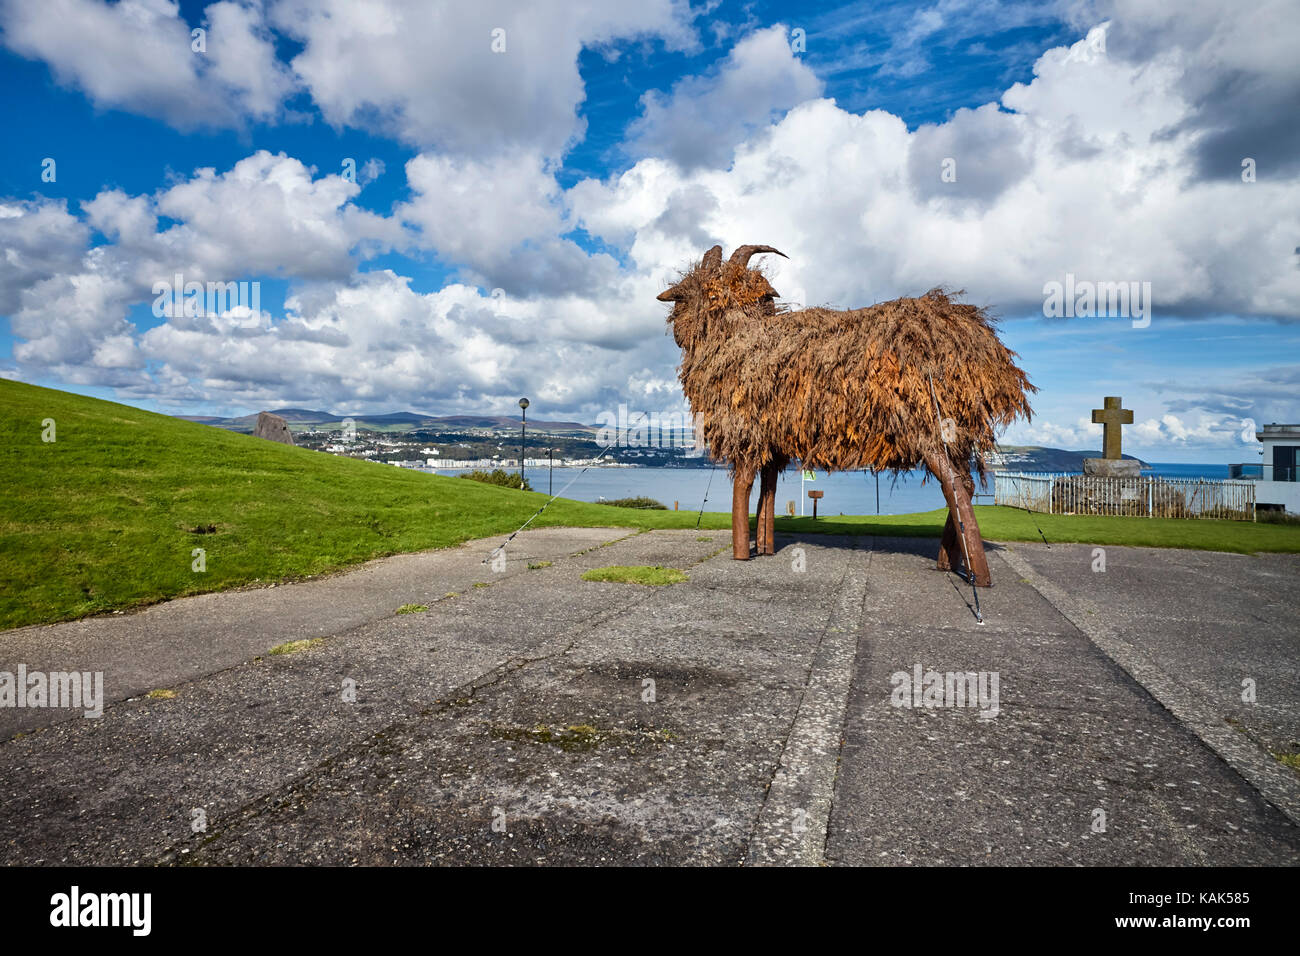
[599,150]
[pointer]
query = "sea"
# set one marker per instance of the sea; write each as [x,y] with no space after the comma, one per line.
[849,493]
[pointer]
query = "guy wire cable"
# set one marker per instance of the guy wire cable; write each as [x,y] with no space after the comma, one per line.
[494,551]
[700,516]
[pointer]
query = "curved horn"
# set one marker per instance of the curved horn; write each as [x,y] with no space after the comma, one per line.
[741,256]
[713,259]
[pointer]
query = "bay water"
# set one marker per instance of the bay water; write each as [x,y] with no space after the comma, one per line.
[850,493]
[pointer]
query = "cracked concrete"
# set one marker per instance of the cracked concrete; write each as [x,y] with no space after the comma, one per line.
[745,716]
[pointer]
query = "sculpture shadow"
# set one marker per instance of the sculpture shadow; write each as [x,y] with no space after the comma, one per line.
[888,537]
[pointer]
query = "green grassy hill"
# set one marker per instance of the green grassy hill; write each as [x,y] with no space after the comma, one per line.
[105,516]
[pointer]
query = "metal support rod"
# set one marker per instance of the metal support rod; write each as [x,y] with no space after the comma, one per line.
[700,516]
[493,553]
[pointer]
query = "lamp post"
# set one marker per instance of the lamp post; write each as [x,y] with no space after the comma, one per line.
[523,432]
[550,470]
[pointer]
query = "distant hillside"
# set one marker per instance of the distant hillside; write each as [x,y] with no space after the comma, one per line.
[306,419]
[1018,457]
[507,421]
[1039,458]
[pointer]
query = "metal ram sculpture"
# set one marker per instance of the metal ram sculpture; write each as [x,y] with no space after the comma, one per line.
[892,387]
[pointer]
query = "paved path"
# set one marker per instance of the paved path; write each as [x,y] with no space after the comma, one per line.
[177,641]
[744,716]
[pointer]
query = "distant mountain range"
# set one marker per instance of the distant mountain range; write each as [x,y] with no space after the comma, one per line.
[306,419]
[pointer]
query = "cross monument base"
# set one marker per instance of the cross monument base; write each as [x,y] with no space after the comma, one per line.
[1112,467]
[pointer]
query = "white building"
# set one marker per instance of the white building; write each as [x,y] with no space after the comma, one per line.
[1276,475]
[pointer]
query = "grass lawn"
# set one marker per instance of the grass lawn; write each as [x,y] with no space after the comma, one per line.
[1011,524]
[108,516]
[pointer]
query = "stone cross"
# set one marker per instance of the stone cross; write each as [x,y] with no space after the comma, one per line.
[1111,417]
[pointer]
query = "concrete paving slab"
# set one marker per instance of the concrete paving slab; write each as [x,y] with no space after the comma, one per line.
[573,752]
[1210,620]
[1076,744]
[180,640]
[1170,660]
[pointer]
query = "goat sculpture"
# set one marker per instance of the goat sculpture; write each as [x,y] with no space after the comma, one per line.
[915,381]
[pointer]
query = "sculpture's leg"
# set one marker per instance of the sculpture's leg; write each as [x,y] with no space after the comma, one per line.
[744,483]
[950,547]
[962,513]
[767,510]
[760,516]
[771,511]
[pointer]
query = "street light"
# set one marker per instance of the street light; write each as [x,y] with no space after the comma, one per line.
[550,475]
[523,432]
